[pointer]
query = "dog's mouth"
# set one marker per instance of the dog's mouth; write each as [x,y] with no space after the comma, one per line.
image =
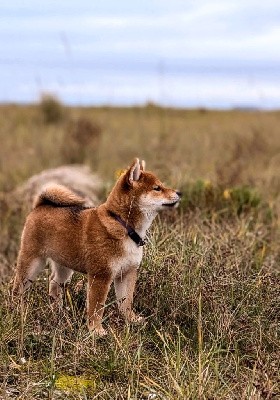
[171,204]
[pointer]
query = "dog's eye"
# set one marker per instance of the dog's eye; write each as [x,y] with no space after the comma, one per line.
[157,188]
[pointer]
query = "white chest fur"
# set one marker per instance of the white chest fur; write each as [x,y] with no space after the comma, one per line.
[131,258]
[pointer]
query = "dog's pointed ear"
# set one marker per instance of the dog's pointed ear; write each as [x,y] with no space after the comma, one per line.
[142,165]
[134,172]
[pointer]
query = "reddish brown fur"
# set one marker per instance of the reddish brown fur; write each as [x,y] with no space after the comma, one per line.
[58,195]
[90,241]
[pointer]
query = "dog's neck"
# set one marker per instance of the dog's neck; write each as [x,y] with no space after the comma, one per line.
[139,219]
[145,221]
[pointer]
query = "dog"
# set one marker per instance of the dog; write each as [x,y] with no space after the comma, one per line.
[105,242]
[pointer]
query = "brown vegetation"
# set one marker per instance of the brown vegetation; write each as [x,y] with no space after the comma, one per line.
[209,285]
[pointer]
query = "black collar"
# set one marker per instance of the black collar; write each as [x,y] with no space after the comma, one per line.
[130,231]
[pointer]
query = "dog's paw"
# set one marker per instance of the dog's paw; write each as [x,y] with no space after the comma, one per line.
[98,331]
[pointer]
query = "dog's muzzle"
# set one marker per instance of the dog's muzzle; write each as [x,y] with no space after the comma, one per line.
[175,202]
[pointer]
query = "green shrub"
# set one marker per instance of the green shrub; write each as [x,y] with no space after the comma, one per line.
[51,108]
[203,195]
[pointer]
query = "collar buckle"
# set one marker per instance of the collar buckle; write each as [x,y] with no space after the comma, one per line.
[136,238]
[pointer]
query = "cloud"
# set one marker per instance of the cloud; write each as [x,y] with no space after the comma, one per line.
[144,39]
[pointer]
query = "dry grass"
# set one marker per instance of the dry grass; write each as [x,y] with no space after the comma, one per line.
[209,285]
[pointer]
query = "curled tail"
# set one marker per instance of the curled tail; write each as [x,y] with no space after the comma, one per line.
[58,196]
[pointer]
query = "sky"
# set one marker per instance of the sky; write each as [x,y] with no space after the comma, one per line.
[181,53]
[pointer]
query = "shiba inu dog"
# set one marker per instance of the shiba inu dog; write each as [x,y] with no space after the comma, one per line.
[103,242]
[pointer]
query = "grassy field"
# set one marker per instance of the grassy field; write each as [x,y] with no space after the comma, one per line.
[209,284]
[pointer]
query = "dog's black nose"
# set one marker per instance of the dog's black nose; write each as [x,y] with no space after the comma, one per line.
[179,193]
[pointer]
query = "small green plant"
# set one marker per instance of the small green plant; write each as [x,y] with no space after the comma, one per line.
[74,384]
[244,198]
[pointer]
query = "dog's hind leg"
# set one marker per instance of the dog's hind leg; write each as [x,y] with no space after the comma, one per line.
[59,277]
[28,268]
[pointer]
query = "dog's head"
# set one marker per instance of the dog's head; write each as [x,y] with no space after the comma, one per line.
[147,190]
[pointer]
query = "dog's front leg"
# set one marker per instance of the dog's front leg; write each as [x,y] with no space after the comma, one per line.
[124,288]
[98,288]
